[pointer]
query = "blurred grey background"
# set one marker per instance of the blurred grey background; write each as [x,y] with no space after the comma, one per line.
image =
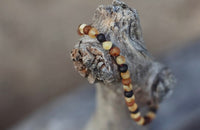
[36,37]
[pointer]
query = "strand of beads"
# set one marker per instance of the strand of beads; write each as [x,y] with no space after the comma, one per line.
[125,74]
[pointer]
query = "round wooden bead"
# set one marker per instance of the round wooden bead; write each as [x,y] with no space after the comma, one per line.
[151,115]
[136,111]
[123,68]
[137,119]
[133,108]
[125,75]
[147,120]
[93,32]
[141,121]
[128,94]
[107,45]
[101,37]
[80,29]
[115,51]
[136,115]
[126,81]
[79,33]
[86,29]
[131,103]
[130,99]
[128,88]
[120,60]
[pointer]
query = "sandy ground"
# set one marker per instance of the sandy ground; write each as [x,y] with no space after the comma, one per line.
[36,37]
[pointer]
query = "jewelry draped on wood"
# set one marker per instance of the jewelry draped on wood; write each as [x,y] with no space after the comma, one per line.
[114,51]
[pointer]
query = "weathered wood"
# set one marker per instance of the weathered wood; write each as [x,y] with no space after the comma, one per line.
[152,80]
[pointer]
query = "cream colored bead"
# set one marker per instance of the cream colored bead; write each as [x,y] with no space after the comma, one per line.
[136,115]
[151,115]
[141,121]
[125,75]
[120,60]
[133,108]
[93,32]
[128,88]
[81,27]
[107,45]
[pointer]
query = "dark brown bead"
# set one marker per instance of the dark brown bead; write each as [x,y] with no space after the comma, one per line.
[115,51]
[128,94]
[126,81]
[123,68]
[101,37]
[153,109]
[87,29]
[147,120]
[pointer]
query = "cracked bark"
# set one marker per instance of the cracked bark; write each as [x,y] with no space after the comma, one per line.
[152,81]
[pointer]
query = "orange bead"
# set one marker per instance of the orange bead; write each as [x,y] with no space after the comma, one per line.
[93,32]
[86,29]
[115,51]
[126,81]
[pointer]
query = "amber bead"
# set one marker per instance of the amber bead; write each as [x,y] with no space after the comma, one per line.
[126,81]
[125,75]
[93,32]
[115,51]
[86,29]
[120,60]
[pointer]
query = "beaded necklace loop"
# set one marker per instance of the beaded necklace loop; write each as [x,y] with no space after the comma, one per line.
[129,96]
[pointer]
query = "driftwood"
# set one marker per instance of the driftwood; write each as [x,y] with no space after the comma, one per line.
[64,113]
[152,81]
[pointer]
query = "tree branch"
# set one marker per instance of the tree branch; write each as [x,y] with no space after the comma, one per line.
[152,80]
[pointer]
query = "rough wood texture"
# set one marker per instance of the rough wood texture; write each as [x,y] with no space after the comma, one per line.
[152,80]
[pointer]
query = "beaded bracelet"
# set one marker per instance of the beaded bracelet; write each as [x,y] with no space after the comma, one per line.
[125,74]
